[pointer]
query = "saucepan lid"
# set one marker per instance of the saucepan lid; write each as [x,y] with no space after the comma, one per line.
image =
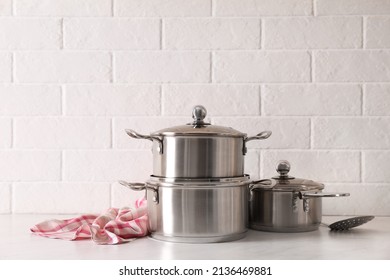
[285,182]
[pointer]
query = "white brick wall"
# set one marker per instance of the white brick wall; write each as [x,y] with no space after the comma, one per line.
[30,33]
[200,34]
[5,66]
[158,8]
[352,7]
[63,8]
[162,67]
[118,33]
[262,7]
[6,7]
[62,67]
[261,66]
[112,100]
[5,132]
[313,33]
[74,74]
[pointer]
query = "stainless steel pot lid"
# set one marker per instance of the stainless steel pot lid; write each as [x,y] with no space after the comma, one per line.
[199,127]
[285,182]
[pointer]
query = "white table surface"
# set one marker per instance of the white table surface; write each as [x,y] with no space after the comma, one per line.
[369,241]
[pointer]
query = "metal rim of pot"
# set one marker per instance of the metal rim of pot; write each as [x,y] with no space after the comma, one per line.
[156,182]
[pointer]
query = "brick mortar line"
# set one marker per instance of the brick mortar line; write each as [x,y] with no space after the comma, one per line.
[311,134]
[112,8]
[250,84]
[262,35]
[261,164]
[314,150]
[62,28]
[212,71]
[215,117]
[162,34]
[261,102]
[362,164]
[190,83]
[13,70]
[63,100]
[12,134]
[364,33]
[110,195]
[13,8]
[162,98]
[12,198]
[363,99]
[112,134]
[113,73]
[312,67]
[179,51]
[62,164]
[192,17]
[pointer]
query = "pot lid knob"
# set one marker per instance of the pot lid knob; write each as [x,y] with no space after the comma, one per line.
[283,168]
[198,114]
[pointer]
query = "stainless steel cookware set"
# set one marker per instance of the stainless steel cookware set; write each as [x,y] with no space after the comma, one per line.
[198,191]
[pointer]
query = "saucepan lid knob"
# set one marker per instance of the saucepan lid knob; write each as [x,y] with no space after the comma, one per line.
[283,167]
[198,114]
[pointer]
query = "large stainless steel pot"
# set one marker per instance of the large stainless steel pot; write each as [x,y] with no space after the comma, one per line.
[196,210]
[198,149]
[285,203]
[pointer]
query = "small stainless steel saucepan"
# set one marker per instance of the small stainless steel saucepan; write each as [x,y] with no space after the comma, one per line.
[285,203]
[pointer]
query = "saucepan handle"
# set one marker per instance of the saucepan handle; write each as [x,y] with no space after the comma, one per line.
[320,194]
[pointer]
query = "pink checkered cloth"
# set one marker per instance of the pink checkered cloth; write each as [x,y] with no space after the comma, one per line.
[114,226]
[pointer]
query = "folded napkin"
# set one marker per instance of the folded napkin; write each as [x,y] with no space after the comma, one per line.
[114,226]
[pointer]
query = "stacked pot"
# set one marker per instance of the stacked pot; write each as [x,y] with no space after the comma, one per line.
[198,191]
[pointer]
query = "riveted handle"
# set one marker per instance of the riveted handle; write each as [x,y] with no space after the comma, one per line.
[262,184]
[137,135]
[321,194]
[142,186]
[261,136]
[306,195]
[133,186]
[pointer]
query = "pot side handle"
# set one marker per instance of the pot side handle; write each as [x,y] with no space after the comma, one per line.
[263,184]
[321,194]
[260,184]
[137,135]
[262,135]
[140,187]
[133,186]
